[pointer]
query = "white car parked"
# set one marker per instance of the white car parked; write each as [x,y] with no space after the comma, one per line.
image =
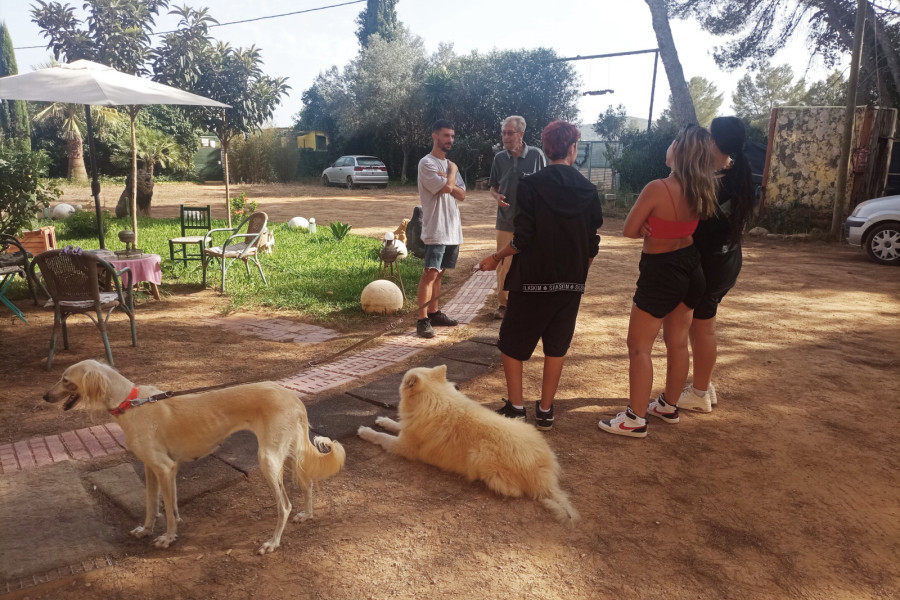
[875,225]
[354,171]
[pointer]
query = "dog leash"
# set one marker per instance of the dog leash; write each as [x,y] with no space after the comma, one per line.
[133,401]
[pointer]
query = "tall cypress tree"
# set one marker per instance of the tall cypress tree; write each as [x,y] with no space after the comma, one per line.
[13,113]
[379,16]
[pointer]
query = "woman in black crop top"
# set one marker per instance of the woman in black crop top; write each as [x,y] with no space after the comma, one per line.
[718,239]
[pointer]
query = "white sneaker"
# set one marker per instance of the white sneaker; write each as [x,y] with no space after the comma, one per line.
[663,410]
[691,401]
[625,423]
[712,394]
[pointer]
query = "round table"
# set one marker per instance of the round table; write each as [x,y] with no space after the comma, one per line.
[143,268]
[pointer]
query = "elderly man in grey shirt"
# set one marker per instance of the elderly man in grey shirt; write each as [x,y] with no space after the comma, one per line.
[511,164]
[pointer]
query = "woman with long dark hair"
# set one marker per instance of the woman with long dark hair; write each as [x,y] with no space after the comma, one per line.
[671,282]
[718,239]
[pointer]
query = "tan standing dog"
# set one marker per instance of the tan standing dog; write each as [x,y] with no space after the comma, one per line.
[440,426]
[173,430]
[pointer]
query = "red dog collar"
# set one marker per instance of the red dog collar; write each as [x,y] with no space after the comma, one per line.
[126,404]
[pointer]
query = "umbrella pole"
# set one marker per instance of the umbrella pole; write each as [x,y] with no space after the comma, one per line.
[132,111]
[95,182]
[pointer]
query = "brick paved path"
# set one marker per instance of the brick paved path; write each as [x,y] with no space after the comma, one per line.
[103,440]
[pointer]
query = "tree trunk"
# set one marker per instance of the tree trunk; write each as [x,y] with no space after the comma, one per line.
[681,94]
[891,57]
[405,164]
[75,150]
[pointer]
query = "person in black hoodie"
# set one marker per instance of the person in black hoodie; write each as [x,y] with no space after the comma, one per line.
[554,242]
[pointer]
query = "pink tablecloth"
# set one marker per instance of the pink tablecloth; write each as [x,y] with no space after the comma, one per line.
[145,268]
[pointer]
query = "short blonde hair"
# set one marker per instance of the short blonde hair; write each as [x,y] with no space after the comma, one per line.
[519,121]
[694,165]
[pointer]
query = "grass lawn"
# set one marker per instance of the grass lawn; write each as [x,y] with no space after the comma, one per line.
[311,273]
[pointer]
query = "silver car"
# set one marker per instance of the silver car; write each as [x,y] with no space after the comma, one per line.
[875,225]
[354,171]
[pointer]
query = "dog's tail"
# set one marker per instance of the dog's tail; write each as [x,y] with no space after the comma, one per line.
[319,459]
[557,502]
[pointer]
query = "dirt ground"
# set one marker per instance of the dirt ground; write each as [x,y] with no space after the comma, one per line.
[789,489]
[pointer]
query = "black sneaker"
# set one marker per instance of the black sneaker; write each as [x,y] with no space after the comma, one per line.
[543,420]
[424,328]
[439,319]
[511,412]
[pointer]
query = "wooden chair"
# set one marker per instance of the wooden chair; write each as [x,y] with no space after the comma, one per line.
[193,218]
[12,264]
[72,281]
[232,249]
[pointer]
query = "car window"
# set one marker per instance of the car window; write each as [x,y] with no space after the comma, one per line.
[369,161]
[343,162]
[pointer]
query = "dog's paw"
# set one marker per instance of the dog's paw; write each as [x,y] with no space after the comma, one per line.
[301,517]
[364,432]
[268,547]
[140,531]
[384,421]
[164,541]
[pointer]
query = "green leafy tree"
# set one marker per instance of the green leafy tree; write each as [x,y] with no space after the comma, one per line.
[69,120]
[387,92]
[378,17]
[831,91]
[757,29]
[23,189]
[218,71]
[154,147]
[116,33]
[755,97]
[611,124]
[13,113]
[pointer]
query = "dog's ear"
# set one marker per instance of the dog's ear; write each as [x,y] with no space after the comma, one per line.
[410,381]
[441,372]
[94,384]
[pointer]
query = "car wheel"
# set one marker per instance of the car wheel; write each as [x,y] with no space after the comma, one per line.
[349,182]
[883,244]
[325,181]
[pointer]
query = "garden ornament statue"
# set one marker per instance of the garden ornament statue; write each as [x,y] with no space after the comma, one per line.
[391,251]
[127,237]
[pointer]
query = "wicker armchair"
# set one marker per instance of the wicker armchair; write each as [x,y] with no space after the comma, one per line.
[73,283]
[238,246]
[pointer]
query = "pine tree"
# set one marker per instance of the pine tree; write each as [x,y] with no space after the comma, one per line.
[379,16]
[13,113]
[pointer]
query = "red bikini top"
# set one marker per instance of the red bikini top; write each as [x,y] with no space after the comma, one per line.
[663,229]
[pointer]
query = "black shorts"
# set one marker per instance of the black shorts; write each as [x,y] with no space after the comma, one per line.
[721,273]
[533,316]
[669,279]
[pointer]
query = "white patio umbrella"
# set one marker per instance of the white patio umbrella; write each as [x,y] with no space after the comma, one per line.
[92,84]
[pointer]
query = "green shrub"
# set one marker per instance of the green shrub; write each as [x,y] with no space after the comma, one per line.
[83,224]
[240,208]
[24,189]
[339,230]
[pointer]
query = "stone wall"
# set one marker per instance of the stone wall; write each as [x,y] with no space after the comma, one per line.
[804,151]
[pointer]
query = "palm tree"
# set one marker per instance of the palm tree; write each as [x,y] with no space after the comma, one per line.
[70,120]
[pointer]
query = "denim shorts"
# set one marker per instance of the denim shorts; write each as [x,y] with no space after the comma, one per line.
[441,257]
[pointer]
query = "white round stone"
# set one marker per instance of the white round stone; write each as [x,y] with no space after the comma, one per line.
[62,211]
[298,223]
[381,297]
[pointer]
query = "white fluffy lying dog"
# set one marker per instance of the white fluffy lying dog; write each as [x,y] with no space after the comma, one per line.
[173,430]
[440,426]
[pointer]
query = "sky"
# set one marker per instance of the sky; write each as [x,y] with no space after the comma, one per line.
[300,46]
